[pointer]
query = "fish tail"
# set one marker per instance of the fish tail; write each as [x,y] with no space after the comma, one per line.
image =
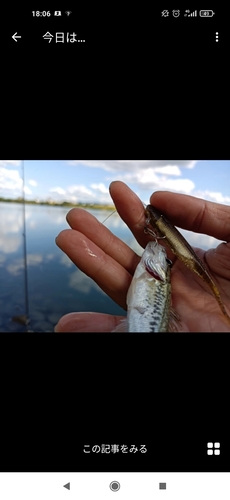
[218,298]
[207,278]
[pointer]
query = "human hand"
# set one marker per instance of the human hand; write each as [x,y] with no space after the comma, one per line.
[111,263]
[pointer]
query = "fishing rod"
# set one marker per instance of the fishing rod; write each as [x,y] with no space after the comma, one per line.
[23,319]
[25,249]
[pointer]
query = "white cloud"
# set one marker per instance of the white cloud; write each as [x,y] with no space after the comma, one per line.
[216,197]
[49,256]
[32,182]
[149,175]
[27,190]
[57,190]
[168,170]
[10,179]
[11,224]
[98,194]
[132,165]
[10,244]
[181,185]
[80,282]
[15,163]
[16,267]
[150,180]
[34,258]
[79,189]
[100,187]
[80,193]
[66,261]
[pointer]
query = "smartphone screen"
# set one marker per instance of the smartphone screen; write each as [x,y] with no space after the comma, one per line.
[87,412]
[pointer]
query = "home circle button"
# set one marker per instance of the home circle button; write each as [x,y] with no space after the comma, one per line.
[114,486]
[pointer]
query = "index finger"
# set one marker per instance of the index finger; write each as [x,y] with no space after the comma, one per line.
[194,214]
[130,209]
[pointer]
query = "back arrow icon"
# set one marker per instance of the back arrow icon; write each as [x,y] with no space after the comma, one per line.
[15,36]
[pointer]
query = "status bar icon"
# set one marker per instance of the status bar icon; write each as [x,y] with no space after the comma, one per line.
[175,13]
[165,13]
[206,13]
[193,14]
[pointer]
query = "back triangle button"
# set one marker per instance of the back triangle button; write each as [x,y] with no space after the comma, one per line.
[67,486]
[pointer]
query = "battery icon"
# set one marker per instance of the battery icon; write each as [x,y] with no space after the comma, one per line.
[206,13]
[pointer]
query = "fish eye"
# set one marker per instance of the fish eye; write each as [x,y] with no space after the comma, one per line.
[169,262]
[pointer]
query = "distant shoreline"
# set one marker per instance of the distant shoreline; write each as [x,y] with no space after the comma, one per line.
[63,204]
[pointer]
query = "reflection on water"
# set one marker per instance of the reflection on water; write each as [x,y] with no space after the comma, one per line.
[55,286]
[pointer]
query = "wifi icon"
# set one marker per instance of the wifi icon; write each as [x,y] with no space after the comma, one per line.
[68,12]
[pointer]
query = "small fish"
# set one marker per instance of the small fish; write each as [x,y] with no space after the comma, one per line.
[149,295]
[181,248]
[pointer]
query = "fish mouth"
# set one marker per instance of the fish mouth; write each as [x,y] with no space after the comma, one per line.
[153,274]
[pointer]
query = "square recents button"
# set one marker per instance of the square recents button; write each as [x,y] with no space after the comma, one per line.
[162,486]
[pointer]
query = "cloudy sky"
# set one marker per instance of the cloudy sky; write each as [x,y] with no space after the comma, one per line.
[88,180]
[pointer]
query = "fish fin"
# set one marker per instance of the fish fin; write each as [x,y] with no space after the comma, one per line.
[121,327]
[174,321]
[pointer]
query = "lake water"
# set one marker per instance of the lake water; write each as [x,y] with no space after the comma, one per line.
[55,285]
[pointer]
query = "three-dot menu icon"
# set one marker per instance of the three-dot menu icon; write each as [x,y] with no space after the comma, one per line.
[213,448]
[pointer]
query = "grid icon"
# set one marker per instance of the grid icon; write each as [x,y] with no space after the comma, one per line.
[213,448]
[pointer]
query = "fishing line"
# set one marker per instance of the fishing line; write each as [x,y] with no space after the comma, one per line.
[144,205]
[109,216]
[25,249]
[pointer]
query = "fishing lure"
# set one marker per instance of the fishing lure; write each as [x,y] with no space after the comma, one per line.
[181,248]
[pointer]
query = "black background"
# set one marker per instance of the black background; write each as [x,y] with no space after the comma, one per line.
[139,83]
[63,391]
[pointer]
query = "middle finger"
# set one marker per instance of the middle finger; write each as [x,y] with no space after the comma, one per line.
[112,278]
[84,222]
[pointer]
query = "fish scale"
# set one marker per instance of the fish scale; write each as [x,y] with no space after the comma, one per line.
[149,295]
